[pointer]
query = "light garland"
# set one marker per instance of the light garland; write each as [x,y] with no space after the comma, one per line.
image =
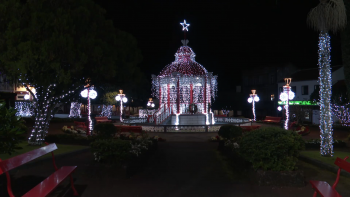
[90,93]
[24,108]
[122,98]
[287,95]
[43,111]
[252,99]
[106,111]
[325,80]
[75,110]
[342,112]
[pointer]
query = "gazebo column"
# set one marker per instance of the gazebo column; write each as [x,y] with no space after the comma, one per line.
[160,94]
[168,91]
[191,93]
[178,96]
[205,95]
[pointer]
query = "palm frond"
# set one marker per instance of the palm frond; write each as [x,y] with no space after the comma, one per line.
[328,15]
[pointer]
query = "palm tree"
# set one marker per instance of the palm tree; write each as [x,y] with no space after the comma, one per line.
[328,15]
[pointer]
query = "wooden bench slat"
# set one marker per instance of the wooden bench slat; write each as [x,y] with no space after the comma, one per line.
[51,182]
[19,160]
[342,164]
[324,189]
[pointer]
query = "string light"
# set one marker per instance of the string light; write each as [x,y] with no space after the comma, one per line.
[106,111]
[24,108]
[75,110]
[325,79]
[252,99]
[287,95]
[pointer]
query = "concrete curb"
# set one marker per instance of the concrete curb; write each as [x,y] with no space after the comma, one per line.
[323,165]
[58,156]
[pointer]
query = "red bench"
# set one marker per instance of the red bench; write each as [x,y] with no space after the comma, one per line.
[130,129]
[272,119]
[81,125]
[46,186]
[323,188]
[102,120]
[250,128]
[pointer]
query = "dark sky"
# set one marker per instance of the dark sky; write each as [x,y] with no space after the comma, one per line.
[225,36]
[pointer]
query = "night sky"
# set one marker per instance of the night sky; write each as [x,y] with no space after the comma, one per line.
[225,36]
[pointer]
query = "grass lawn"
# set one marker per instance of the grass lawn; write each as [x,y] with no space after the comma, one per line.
[329,160]
[62,148]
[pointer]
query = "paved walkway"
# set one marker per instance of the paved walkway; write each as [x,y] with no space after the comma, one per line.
[176,169]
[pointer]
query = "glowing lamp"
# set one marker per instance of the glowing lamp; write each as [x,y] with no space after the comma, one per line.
[279,108]
[84,93]
[125,99]
[152,105]
[92,94]
[291,95]
[256,98]
[250,100]
[148,104]
[26,97]
[283,96]
[117,98]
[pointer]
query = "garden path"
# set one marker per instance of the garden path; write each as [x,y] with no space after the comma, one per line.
[176,169]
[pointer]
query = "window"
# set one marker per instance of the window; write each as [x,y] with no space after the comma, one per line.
[316,87]
[307,116]
[294,89]
[304,90]
[238,89]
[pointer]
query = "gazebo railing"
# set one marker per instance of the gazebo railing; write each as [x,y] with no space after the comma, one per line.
[231,120]
[162,114]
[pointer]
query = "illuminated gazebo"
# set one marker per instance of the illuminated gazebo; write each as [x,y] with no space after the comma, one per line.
[185,82]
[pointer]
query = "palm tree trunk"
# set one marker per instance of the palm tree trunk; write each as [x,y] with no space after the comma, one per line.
[325,80]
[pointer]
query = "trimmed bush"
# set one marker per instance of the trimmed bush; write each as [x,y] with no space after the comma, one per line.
[111,150]
[12,129]
[271,148]
[230,131]
[105,130]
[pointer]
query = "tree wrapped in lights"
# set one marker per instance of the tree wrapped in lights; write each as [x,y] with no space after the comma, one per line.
[75,110]
[56,52]
[329,15]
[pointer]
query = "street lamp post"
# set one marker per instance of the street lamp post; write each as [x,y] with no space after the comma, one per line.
[122,98]
[252,99]
[150,103]
[89,93]
[285,96]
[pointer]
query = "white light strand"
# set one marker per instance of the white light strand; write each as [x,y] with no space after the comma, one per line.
[75,110]
[325,79]
[106,111]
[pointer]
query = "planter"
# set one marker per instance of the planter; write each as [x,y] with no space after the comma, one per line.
[279,179]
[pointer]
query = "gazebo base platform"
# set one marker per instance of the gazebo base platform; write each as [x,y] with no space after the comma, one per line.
[187,119]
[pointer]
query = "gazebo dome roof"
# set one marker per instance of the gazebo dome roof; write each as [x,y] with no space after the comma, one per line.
[184,63]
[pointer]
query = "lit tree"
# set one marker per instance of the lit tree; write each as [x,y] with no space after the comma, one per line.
[328,15]
[55,45]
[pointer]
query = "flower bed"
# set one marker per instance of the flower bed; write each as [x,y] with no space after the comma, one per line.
[302,130]
[72,130]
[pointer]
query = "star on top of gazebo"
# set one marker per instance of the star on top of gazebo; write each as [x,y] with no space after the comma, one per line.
[184,26]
